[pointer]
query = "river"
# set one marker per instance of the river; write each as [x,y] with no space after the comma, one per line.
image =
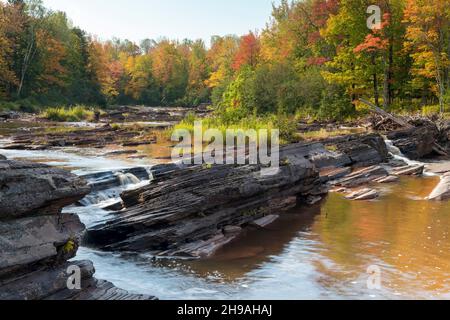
[319,252]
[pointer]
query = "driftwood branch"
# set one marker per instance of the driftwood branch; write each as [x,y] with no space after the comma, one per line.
[385,114]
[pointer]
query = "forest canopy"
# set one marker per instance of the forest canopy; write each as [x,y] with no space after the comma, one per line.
[315,57]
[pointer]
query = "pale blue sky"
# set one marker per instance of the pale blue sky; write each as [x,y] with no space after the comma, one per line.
[175,19]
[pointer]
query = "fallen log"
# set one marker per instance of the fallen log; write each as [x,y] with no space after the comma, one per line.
[385,114]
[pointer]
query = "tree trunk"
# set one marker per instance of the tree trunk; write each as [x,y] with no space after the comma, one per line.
[29,54]
[387,95]
[375,83]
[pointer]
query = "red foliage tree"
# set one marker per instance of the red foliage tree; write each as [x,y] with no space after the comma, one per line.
[248,52]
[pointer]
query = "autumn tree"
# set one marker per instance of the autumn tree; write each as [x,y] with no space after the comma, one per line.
[8,77]
[428,40]
[197,91]
[248,52]
[170,70]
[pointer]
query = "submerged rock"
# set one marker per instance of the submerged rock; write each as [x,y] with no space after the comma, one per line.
[388,179]
[442,191]
[363,194]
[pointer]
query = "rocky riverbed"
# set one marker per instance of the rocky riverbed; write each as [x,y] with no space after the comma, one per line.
[191,212]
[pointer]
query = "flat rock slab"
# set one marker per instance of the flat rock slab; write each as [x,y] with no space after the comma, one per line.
[364,194]
[388,179]
[439,168]
[331,174]
[361,177]
[442,191]
[409,170]
[265,221]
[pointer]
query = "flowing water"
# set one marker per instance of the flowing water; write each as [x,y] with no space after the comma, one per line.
[322,251]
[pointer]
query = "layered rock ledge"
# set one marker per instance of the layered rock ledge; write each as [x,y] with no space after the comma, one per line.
[37,240]
[191,212]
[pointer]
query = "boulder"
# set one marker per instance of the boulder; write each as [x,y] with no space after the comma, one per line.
[442,191]
[2,157]
[38,240]
[36,189]
[415,143]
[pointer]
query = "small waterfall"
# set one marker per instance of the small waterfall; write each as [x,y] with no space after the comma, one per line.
[398,155]
[127,179]
[100,197]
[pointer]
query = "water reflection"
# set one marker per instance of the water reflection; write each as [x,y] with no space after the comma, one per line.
[324,251]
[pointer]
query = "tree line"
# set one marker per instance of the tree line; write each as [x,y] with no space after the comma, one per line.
[314,57]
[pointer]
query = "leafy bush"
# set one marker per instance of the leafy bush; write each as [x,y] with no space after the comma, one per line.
[286,125]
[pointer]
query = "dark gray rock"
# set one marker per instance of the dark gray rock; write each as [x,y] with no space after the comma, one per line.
[415,143]
[362,150]
[187,211]
[51,284]
[36,189]
[2,157]
[38,240]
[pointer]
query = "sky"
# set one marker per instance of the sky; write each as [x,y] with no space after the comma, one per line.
[175,19]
